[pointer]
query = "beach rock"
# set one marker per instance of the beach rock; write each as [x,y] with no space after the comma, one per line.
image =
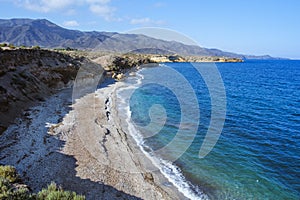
[148,177]
[120,76]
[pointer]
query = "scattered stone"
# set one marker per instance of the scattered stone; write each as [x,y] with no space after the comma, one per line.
[107,131]
[148,177]
[120,76]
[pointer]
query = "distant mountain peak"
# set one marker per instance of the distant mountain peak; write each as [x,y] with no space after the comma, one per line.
[44,21]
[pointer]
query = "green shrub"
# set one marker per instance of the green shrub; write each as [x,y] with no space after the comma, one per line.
[11,189]
[8,191]
[12,46]
[20,194]
[36,47]
[9,177]
[4,186]
[3,45]
[53,192]
[9,173]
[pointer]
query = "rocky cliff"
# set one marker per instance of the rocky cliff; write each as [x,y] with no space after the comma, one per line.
[30,75]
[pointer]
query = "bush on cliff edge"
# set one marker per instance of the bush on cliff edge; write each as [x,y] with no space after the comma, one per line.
[11,188]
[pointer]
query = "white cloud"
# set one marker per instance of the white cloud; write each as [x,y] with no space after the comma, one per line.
[70,12]
[146,21]
[140,20]
[99,7]
[103,10]
[71,23]
[98,1]
[45,5]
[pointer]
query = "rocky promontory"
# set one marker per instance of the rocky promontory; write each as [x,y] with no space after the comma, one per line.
[116,65]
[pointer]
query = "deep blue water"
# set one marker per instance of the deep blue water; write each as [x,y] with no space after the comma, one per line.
[258,153]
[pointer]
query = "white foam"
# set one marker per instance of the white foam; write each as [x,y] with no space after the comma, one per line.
[169,170]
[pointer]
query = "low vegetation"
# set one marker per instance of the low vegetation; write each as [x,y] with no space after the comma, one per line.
[12,188]
[54,192]
[9,173]
[66,49]
[12,46]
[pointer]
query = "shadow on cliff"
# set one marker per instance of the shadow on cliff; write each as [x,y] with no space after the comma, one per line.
[28,76]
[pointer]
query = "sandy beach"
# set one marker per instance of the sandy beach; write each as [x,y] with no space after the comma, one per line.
[83,148]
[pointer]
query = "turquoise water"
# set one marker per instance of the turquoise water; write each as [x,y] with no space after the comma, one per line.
[258,153]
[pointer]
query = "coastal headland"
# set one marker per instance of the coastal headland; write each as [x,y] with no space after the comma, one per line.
[77,143]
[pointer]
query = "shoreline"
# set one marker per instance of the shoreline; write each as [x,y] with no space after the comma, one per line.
[169,169]
[87,151]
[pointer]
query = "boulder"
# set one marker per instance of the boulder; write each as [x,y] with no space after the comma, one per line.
[120,76]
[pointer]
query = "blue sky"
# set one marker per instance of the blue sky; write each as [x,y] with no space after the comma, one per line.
[249,27]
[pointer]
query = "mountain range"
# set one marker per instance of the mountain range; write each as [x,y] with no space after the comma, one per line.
[41,32]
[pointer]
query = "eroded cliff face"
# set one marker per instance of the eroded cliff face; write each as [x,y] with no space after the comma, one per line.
[30,75]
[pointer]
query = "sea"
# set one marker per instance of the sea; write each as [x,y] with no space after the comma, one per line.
[219,130]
